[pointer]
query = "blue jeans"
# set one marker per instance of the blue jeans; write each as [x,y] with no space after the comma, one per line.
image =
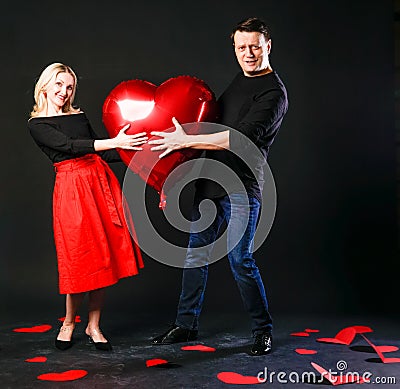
[240,211]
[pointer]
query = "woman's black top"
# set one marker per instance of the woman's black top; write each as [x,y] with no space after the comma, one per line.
[65,137]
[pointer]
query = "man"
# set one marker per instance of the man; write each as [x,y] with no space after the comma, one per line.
[252,107]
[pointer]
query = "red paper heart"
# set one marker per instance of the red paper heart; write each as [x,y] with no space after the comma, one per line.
[344,336]
[304,351]
[40,328]
[310,330]
[36,359]
[379,351]
[77,319]
[300,334]
[387,349]
[155,362]
[362,329]
[341,378]
[150,108]
[198,347]
[230,377]
[69,375]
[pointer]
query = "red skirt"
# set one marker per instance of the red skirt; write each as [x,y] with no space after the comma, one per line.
[93,243]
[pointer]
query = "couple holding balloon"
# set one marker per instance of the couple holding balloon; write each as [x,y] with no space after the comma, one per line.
[93,242]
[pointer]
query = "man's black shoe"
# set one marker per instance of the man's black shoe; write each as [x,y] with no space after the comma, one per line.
[175,334]
[262,344]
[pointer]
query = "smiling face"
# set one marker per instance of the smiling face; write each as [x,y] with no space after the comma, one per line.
[252,51]
[59,91]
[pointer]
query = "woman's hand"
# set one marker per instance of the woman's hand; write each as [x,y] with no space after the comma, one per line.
[170,140]
[129,142]
[122,141]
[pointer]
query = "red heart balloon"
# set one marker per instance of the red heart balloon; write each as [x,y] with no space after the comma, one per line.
[150,108]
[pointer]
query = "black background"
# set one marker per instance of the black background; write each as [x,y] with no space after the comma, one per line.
[333,245]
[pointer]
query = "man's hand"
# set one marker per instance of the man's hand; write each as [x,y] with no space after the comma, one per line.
[170,141]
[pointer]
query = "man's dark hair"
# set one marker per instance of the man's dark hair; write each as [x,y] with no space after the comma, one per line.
[252,25]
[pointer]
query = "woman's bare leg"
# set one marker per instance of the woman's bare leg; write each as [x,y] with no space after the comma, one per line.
[72,302]
[96,303]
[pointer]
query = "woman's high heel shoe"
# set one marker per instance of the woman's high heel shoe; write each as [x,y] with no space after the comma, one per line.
[64,344]
[102,346]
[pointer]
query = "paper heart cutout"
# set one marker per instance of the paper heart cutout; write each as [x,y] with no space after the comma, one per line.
[150,108]
[36,359]
[305,351]
[311,330]
[69,375]
[155,362]
[341,378]
[77,319]
[39,328]
[305,334]
[198,347]
[387,349]
[344,336]
[378,350]
[230,377]
[362,329]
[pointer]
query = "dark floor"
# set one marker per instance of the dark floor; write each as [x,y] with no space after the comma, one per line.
[125,366]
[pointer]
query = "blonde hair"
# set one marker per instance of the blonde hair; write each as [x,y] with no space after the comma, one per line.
[50,74]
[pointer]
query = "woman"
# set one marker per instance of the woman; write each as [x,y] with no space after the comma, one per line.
[93,243]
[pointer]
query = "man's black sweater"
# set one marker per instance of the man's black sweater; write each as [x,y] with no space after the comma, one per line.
[254,107]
